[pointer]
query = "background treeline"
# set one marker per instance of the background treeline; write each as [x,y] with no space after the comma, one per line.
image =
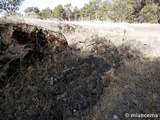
[114,10]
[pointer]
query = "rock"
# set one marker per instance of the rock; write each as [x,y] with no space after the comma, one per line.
[130,54]
[85,70]
[83,103]
[115,117]
[95,37]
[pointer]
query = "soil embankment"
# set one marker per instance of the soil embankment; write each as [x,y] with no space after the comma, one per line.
[42,75]
[75,73]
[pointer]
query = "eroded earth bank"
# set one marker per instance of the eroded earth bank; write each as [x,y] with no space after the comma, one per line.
[44,76]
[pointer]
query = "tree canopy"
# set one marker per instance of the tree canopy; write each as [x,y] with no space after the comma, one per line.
[114,10]
[58,12]
[33,12]
[10,6]
[68,10]
[46,13]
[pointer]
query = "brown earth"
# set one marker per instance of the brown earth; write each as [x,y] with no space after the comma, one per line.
[43,76]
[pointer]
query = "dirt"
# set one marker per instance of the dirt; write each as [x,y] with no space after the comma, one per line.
[44,76]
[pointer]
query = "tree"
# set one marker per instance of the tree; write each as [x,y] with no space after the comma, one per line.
[120,10]
[59,12]
[46,13]
[91,10]
[68,9]
[146,10]
[84,12]
[94,8]
[150,12]
[106,6]
[32,12]
[10,6]
[32,9]
[76,13]
[137,15]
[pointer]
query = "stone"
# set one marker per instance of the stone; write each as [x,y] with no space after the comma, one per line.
[130,54]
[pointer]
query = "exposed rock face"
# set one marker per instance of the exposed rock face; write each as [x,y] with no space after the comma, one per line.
[130,54]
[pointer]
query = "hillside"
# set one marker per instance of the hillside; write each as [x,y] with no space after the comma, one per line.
[78,70]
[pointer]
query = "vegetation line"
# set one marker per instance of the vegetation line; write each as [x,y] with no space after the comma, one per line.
[131,11]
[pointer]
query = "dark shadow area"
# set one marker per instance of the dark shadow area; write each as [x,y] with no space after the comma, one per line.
[134,90]
[134,81]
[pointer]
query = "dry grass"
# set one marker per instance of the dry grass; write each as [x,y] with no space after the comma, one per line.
[133,89]
[144,37]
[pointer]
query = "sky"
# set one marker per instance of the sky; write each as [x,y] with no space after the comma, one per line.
[41,4]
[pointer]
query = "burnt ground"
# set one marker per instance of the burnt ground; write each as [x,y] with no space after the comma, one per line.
[42,78]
